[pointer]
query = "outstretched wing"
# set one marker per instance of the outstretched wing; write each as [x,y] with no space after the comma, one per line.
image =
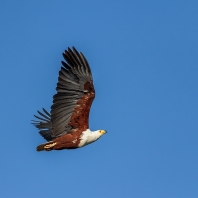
[75,94]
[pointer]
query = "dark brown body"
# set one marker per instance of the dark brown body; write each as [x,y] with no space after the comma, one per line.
[67,141]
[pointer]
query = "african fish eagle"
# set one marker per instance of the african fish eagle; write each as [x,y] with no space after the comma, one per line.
[67,125]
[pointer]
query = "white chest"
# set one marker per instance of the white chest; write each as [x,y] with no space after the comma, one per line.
[88,137]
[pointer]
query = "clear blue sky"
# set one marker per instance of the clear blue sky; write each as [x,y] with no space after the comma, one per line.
[144,61]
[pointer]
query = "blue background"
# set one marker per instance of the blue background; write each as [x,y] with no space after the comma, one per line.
[143,56]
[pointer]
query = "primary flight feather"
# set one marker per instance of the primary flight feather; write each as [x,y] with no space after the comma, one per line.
[67,125]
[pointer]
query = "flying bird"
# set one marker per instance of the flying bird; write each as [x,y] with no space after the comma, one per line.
[67,125]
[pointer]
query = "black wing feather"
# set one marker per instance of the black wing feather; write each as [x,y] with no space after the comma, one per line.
[44,125]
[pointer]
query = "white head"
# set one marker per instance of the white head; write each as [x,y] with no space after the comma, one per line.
[101,132]
[97,134]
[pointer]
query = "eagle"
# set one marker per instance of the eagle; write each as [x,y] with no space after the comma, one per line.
[67,124]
